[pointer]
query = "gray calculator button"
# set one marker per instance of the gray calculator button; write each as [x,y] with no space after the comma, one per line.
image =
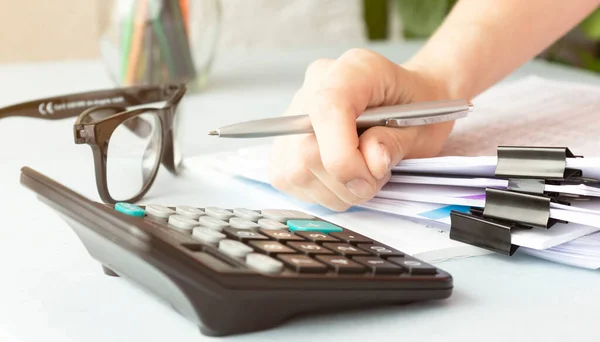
[219,213]
[271,224]
[263,263]
[240,223]
[182,222]
[207,235]
[234,248]
[159,211]
[247,214]
[212,222]
[191,212]
[283,215]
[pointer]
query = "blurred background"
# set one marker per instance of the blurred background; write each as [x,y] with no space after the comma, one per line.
[76,29]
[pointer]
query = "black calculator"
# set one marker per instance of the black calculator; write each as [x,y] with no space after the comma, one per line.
[237,270]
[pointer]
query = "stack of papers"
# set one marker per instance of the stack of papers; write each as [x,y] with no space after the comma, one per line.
[530,112]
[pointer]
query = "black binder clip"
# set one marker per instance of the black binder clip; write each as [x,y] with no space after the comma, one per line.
[524,204]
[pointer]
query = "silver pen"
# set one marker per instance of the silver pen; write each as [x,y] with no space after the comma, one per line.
[412,114]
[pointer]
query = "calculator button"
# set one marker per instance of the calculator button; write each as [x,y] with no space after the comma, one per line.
[243,234]
[317,237]
[191,212]
[240,223]
[378,266]
[271,247]
[213,222]
[247,214]
[207,235]
[129,209]
[219,213]
[345,249]
[341,264]
[284,215]
[271,224]
[234,248]
[351,237]
[302,263]
[309,248]
[414,266]
[380,250]
[281,235]
[312,226]
[159,211]
[263,263]
[182,222]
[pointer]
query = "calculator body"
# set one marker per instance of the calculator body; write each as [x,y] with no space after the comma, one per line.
[220,293]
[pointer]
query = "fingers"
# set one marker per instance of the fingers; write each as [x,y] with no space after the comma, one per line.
[302,175]
[350,84]
[384,147]
[333,166]
[294,174]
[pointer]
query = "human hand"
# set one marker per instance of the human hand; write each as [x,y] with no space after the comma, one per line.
[334,166]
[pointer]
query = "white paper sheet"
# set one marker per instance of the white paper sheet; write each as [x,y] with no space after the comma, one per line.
[533,111]
[583,252]
[479,182]
[537,238]
[530,112]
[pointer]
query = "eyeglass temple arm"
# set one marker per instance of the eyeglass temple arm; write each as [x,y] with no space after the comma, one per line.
[61,107]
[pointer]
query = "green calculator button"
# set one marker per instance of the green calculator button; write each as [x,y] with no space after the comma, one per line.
[312,226]
[130,209]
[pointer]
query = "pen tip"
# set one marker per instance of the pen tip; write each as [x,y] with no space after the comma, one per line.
[213,133]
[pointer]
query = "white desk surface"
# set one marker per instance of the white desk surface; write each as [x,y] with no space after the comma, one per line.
[52,290]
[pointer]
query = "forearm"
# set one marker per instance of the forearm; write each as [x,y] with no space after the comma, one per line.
[482,41]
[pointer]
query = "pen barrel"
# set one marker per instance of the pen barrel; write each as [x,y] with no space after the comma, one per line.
[418,113]
[283,125]
[412,114]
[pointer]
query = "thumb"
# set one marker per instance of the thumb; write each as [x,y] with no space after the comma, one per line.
[384,147]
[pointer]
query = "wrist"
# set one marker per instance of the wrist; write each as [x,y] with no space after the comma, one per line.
[428,140]
[446,80]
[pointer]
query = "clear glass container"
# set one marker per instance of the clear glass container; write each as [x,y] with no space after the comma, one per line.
[160,41]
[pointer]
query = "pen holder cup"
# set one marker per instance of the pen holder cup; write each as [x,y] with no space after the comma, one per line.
[160,41]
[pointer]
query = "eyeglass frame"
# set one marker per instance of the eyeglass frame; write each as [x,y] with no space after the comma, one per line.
[97,133]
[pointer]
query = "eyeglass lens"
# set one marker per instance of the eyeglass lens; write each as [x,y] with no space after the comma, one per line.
[133,155]
[177,138]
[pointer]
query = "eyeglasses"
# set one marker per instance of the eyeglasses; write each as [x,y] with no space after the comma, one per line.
[128,146]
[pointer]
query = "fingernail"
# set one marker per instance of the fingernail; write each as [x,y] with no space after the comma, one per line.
[386,156]
[360,188]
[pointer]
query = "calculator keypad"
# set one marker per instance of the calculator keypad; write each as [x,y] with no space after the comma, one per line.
[302,263]
[271,247]
[264,263]
[207,235]
[340,264]
[220,213]
[380,250]
[309,248]
[234,248]
[378,265]
[317,237]
[271,224]
[159,211]
[213,222]
[414,266]
[275,242]
[191,212]
[345,249]
[243,234]
[281,235]
[247,214]
[241,223]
